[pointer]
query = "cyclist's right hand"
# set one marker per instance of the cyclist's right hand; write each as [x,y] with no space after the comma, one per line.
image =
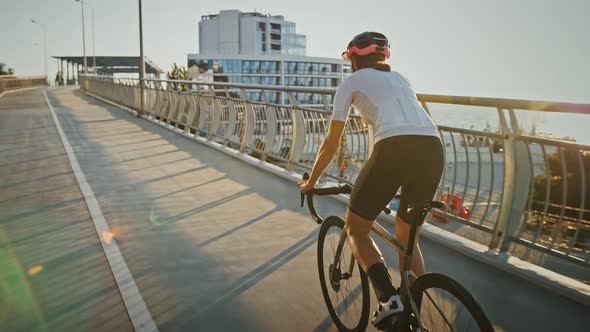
[306,186]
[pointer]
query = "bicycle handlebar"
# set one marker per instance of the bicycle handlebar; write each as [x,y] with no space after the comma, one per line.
[343,189]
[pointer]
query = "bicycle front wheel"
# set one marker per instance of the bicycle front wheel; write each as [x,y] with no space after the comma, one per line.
[346,294]
[445,305]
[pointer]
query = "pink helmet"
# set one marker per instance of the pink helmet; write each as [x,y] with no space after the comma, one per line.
[367,43]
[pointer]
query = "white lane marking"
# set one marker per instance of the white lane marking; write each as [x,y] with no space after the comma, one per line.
[138,312]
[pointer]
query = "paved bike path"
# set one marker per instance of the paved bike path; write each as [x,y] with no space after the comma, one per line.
[53,271]
[217,245]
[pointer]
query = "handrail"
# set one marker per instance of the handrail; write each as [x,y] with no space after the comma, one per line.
[502,103]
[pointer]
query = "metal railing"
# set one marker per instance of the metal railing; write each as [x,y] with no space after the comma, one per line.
[21,82]
[504,187]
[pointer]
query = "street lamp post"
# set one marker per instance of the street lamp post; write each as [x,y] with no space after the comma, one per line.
[141,62]
[93,45]
[44,45]
[83,37]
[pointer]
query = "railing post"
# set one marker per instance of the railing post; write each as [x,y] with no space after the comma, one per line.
[181,106]
[516,188]
[216,117]
[172,107]
[202,115]
[231,121]
[193,104]
[298,130]
[250,119]
[271,130]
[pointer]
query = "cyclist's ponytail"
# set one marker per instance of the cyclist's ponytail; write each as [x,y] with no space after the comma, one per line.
[373,60]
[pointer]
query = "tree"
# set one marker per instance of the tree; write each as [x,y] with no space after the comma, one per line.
[576,171]
[4,70]
[178,73]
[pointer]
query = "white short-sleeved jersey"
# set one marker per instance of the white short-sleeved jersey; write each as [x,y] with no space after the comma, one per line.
[384,100]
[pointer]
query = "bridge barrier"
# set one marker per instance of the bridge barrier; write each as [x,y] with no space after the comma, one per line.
[506,188]
[13,83]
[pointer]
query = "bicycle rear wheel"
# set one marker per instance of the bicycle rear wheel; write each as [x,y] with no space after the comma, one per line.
[346,296]
[445,305]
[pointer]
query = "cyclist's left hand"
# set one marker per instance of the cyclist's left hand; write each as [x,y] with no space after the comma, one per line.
[306,186]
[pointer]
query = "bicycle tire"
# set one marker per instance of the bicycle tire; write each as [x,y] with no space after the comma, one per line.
[363,320]
[430,282]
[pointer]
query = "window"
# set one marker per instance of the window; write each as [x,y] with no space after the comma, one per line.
[300,67]
[256,67]
[275,26]
[291,67]
[261,26]
[266,66]
[275,47]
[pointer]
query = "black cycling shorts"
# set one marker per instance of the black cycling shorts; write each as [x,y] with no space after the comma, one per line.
[414,163]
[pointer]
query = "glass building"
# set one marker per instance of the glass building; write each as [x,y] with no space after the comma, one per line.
[284,70]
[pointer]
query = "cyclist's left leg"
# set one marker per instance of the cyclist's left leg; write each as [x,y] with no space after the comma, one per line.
[422,173]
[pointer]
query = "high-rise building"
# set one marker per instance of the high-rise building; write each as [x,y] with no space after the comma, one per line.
[253,48]
[234,32]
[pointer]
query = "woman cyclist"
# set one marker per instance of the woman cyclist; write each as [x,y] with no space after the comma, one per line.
[407,153]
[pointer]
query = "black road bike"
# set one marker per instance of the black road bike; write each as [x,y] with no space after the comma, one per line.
[434,302]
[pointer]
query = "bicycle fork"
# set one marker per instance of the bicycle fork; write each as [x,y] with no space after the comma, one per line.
[336,262]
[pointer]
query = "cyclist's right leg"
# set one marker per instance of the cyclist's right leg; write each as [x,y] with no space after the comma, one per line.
[369,257]
[362,245]
[374,187]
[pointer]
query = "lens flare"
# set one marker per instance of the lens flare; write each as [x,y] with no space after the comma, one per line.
[154,219]
[107,237]
[35,270]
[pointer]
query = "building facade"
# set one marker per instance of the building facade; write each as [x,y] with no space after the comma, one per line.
[287,70]
[253,48]
[234,32]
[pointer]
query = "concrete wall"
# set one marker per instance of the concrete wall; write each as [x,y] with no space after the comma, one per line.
[228,31]
[208,37]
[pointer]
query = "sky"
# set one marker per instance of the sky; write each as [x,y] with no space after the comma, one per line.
[525,49]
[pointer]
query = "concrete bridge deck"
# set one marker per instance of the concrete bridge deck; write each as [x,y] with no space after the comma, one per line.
[212,243]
